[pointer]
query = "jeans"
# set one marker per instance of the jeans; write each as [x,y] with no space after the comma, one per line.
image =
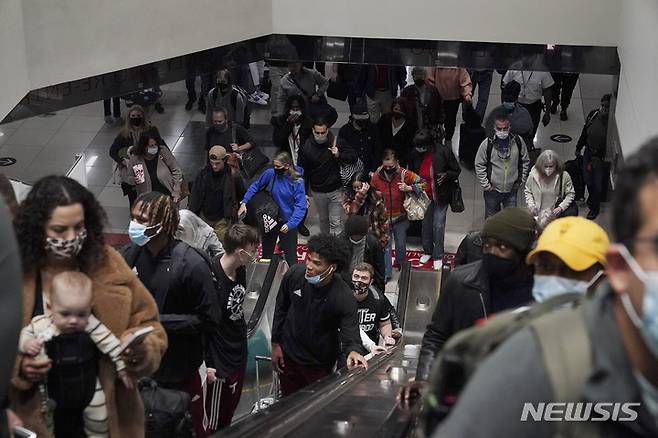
[399,233]
[434,230]
[330,210]
[493,201]
[450,108]
[482,80]
[287,242]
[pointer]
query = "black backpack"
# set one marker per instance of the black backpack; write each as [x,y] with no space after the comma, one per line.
[166,411]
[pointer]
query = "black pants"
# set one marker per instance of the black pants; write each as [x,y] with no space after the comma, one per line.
[563,88]
[69,423]
[535,114]
[287,242]
[116,107]
[206,84]
[450,108]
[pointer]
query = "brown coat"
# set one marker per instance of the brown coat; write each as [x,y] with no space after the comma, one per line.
[123,304]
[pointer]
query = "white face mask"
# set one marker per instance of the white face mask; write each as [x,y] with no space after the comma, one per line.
[647,324]
[502,134]
[548,286]
[152,150]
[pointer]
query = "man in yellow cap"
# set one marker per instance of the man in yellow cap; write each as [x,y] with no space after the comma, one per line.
[569,257]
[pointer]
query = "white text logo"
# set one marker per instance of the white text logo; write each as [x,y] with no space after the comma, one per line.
[580,411]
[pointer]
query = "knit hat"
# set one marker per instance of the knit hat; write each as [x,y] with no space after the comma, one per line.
[578,242]
[513,226]
[356,225]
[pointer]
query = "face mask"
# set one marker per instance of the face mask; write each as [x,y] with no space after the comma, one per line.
[222,87]
[647,324]
[499,268]
[317,279]
[220,127]
[320,139]
[359,287]
[136,121]
[604,111]
[152,150]
[66,248]
[502,134]
[509,106]
[549,170]
[137,233]
[251,258]
[547,286]
[356,242]
[421,149]
[361,123]
[390,170]
[295,113]
[419,82]
[398,116]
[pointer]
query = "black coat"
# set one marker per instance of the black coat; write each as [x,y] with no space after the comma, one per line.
[470,249]
[365,143]
[232,192]
[443,160]
[282,131]
[401,142]
[372,254]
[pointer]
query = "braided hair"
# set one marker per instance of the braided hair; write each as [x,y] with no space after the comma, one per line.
[160,209]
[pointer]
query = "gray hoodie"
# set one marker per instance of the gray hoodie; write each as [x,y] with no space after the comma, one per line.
[504,171]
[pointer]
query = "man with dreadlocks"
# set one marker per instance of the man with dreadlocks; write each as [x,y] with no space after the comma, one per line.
[180,279]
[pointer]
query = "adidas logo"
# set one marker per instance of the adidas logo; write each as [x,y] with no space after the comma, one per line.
[268,223]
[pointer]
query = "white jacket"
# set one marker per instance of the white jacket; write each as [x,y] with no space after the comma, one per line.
[533,191]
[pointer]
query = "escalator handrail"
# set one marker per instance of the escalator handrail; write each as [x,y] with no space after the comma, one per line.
[403,292]
[263,294]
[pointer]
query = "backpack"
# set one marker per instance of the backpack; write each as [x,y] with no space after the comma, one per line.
[166,411]
[562,337]
[235,91]
[515,138]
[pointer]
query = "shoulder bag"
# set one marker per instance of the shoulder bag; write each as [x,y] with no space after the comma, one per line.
[415,205]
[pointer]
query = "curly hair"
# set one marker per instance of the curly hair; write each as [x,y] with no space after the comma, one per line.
[160,209]
[36,210]
[331,249]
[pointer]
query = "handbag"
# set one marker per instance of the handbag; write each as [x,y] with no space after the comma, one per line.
[166,411]
[263,211]
[456,199]
[572,209]
[252,160]
[415,204]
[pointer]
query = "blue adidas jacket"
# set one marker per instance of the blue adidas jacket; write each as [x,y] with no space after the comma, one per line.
[289,195]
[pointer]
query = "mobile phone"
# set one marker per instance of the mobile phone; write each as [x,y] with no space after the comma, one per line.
[135,339]
[21,432]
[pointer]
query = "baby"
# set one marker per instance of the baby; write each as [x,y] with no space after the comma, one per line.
[69,313]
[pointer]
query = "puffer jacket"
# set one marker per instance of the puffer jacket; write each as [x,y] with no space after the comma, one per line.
[393,197]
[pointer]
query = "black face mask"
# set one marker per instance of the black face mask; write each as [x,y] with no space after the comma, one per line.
[220,127]
[359,287]
[136,121]
[361,123]
[419,82]
[279,171]
[398,116]
[222,87]
[498,268]
[390,171]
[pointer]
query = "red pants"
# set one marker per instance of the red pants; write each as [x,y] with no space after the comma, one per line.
[294,377]
[222,398]
[193,387]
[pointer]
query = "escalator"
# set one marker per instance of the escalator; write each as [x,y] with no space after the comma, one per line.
[356,403]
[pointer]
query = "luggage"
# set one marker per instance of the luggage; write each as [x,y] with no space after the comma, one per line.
[575,170]
[470,139]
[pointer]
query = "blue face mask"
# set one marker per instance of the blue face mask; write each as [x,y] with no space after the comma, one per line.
[647,324]
[548,286]
[137,233]
[317,279]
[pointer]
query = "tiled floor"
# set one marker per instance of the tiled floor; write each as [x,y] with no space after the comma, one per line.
[46,145]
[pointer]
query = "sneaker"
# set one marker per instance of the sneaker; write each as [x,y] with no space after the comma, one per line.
[425,258]
[437,265]
[159,108]
[255,98]
[303,231]
[189,104]
[553,109]
[262,95]
[591,216]
[109,120]
[563,115]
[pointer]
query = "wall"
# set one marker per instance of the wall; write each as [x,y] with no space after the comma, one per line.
[638,85]
[14,80]
[579,22]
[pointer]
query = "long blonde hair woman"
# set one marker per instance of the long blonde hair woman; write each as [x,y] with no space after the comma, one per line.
[549,187]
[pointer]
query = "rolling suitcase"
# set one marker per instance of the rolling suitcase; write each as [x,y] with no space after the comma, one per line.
[471,135]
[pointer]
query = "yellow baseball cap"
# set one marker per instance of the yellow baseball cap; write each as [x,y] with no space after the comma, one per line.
[578,242]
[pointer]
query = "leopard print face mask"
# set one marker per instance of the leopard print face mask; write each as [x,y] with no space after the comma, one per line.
[66,248]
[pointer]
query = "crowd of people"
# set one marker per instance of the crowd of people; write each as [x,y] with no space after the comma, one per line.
[183,275]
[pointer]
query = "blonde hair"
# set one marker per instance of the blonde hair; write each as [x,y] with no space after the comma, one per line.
[73,284]
[128,130]
[285,158]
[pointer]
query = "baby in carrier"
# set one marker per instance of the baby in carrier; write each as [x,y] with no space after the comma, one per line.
[71,336]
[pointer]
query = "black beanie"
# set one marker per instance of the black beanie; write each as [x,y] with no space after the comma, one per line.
[513,226]
[356,225]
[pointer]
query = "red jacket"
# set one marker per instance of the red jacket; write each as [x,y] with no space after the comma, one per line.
[393,197]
